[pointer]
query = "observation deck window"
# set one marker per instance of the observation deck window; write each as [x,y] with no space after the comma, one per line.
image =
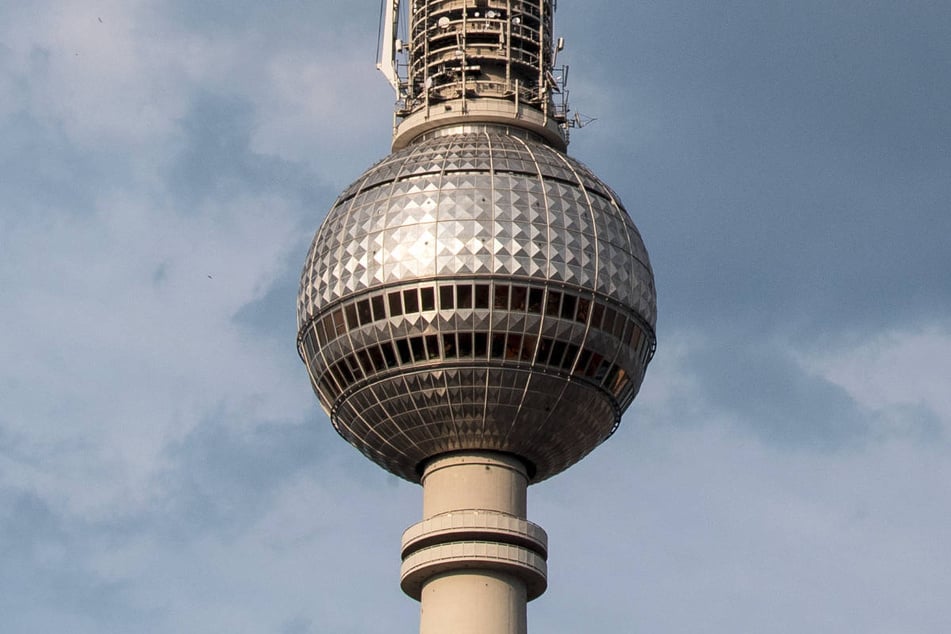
[554,302]
[354,367]
[379,311]
[481,340]
[464,296]
[501,297]
[427,297]
[584,306]
[351,313]
[446,298]
[528,348]
[597,315]
[618,329]
[609,315]
[635,340]
[513,347]
[364,312]
[389,356]
[432,346]
[365,362]
[498,346]
[535,299]
[519,295]
[482,296]
[411,300]
[402,347]
[568,303]
[376,357]
[449,348]
[617,380]
[583,361]
[396,306]
[557,353]
[419,351]
[465,344]
[571,352]
[544,350]
[338,376]
[340,324]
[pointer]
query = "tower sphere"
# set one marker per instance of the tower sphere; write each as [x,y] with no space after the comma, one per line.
[477,289]
[477,309]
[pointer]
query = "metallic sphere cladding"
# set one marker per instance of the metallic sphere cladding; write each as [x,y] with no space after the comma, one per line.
[477,290]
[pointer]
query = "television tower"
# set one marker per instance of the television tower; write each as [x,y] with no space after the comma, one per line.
[477,309]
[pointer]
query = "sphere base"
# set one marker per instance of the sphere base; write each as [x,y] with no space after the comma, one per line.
[474,561]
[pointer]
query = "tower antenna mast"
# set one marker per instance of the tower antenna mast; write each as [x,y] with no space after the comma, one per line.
[390,45]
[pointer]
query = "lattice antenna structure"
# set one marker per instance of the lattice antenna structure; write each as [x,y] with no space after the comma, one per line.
[477,310]
[466,60]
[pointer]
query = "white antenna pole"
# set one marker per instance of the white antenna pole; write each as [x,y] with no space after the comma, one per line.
[387,63]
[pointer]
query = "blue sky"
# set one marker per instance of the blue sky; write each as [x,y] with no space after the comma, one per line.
[164,466]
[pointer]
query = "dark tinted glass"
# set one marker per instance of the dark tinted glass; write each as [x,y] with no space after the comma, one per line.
[411,300]
[445,298]
[428,298]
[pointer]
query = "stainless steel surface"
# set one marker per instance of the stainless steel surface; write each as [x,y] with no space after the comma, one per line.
[477,290]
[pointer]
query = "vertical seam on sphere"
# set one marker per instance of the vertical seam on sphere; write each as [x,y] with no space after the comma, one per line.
[442,177]
[492,264]
[597,250]
[547,276]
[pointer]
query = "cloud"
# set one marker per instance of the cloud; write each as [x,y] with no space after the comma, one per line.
[118,348]
[899,376]
[135,244]
[755,385]
[157,420]
[749,535]
[779,161]
[731,486]
[106,83]
[164,466]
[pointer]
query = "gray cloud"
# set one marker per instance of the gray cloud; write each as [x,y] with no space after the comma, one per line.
[217,161]
[759,386]
[43,170]
[164,467]
[786,162]
[54,551]
[222,478]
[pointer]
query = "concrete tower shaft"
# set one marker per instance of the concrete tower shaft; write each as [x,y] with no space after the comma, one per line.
[474,561]
[487,61]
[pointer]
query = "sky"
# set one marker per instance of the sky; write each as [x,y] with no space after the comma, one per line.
[165,467]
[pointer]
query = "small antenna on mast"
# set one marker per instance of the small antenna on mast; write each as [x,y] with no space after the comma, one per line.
[390,46]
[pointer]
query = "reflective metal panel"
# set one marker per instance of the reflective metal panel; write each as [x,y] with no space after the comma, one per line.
[477,290]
